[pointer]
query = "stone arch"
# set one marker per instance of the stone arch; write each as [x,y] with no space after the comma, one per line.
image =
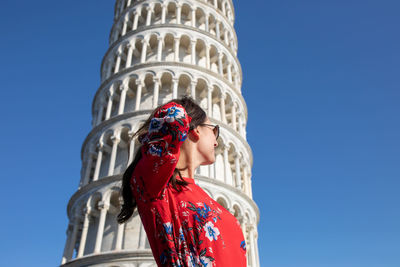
[201,92]
[201,53]
[200,19]
[148,89]
[212,22]
[157,12]
[137,44]
[186,14]
[214,58]
[223,201]
[184,84]
[142,13]
[237,211]
[216,102]
[184,48]
[152,48]
[168,51]
[171,12]
[131,95]
[166,79]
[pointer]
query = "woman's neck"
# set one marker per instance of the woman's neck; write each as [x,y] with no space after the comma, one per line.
[186,163]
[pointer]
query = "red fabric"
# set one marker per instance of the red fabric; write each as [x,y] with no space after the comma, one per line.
[186,228]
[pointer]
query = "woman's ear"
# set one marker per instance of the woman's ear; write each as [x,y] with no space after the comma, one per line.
[194,135]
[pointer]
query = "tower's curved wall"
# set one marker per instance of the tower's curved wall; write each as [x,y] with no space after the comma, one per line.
[160,50]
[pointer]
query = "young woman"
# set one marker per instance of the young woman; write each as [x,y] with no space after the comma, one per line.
[184,225]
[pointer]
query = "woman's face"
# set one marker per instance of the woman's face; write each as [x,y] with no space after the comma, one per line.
[207,143]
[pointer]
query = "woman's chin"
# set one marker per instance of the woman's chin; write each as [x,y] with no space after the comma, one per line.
[209,162]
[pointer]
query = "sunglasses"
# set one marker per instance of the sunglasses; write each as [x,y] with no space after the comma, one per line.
[215,128]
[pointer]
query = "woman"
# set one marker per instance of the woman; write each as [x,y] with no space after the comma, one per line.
[184,225]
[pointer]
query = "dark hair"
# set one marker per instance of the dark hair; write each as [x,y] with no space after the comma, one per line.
[129,204]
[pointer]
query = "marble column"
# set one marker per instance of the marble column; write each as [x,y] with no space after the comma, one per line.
[69,233]
[226,163]
[109,69]
[193,51]
[241,126]
[115,139]
[149,13]
[88,168]
[118,62]
[131,148]
[145,43]
[234,116]
[99,237]
[226,41]
[125,26]
[138,94]
[85,229]
[156,92]
[71,245]
[223,111]
[207,56]
[206,22]
[220,67]
[123,89]
[193,89]
[159,48]
[252,248]
[135,20]
[175,82]
[237,172]
[120,235]
[176,48]
[217,30]
[193,17]
[142,237]
[129,56]
[110,95]
[101,111]
[229,72]
[163,14]
[209,100]
[98,161]
[178,14]
[245,181]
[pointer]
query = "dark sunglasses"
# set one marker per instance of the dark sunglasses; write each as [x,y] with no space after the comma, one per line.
[215,128]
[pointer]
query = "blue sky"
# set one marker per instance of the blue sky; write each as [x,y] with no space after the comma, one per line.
[321,81]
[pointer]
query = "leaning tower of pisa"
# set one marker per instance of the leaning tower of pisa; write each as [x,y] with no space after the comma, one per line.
[160,50]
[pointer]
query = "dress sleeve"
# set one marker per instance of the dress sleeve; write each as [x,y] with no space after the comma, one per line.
[160,149]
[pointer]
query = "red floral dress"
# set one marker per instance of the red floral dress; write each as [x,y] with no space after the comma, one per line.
[186,228]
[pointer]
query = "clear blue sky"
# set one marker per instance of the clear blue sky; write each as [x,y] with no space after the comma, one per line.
[321,81]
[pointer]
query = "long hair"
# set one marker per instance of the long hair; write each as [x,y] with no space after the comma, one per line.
[198,117]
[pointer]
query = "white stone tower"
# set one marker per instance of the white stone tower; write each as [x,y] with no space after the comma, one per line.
[159,50]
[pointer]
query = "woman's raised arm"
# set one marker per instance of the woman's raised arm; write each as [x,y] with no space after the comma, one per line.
[161,148]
